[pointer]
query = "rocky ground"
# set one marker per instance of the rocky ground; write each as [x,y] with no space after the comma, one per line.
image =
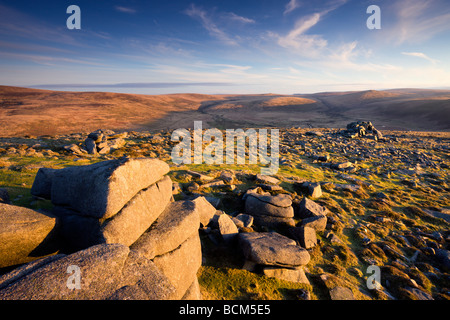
[350,202]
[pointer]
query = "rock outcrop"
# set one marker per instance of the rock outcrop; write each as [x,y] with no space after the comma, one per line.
[127,238]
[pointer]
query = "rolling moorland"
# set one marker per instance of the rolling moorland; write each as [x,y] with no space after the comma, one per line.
[386,200]
[39,112]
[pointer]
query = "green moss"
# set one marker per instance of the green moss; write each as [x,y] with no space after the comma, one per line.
[236,284]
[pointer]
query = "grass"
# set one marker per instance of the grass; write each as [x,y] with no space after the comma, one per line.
[221,275]
[236,284]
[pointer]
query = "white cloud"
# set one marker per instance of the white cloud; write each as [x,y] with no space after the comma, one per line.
[420,55]
[418,20]
[235,17]
[125,9]
[291,6]
[304,44]
[209,25]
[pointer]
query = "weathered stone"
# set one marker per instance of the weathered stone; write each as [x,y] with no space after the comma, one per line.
[227,228]
[143,281]
[42,185]
[199,176]
[306,236]
[318,223]
[180,266]
[116,143]
[262,205]
[138,214]
[273,222]
[90,146]
[193,292]
[294,275]
[272,249]
[101,190]
[343,166]
[308,208]
[179,221]
[314,190]
[24,234]
[227,176]
[266,179]
[247,220]
[125,227]
[75,149]
[205,209]
[341,293]
[100,270]
[96,136]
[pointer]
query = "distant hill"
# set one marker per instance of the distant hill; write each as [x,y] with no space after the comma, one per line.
[26,111]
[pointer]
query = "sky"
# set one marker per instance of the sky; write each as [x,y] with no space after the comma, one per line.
[217,46]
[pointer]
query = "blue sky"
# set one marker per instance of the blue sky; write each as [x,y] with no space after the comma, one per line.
[246,46]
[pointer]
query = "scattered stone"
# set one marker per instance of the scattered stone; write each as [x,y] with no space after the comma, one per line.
[266,179]
[308,208]
[199,176]
[90,146]
[318,223]
[247,220]
[227,176]
[341,293]
[227,228]
[306,236]
[205,209]
[271,248]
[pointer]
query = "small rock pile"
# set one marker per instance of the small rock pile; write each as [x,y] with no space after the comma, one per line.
[99,142]
[116,222]
[267,236]
[363,129]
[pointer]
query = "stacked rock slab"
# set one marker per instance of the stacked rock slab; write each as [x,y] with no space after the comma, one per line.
[271,211]
[24,234]
[280,256]
[108,202]
[132,241]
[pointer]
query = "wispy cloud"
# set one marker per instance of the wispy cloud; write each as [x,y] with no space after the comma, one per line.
[234,17]
[419,20]
[420,55]
[207,23]
[137,85]
[291,6]
[50,60]
[308,45]
[125,9]
[18,24]
[305,44]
